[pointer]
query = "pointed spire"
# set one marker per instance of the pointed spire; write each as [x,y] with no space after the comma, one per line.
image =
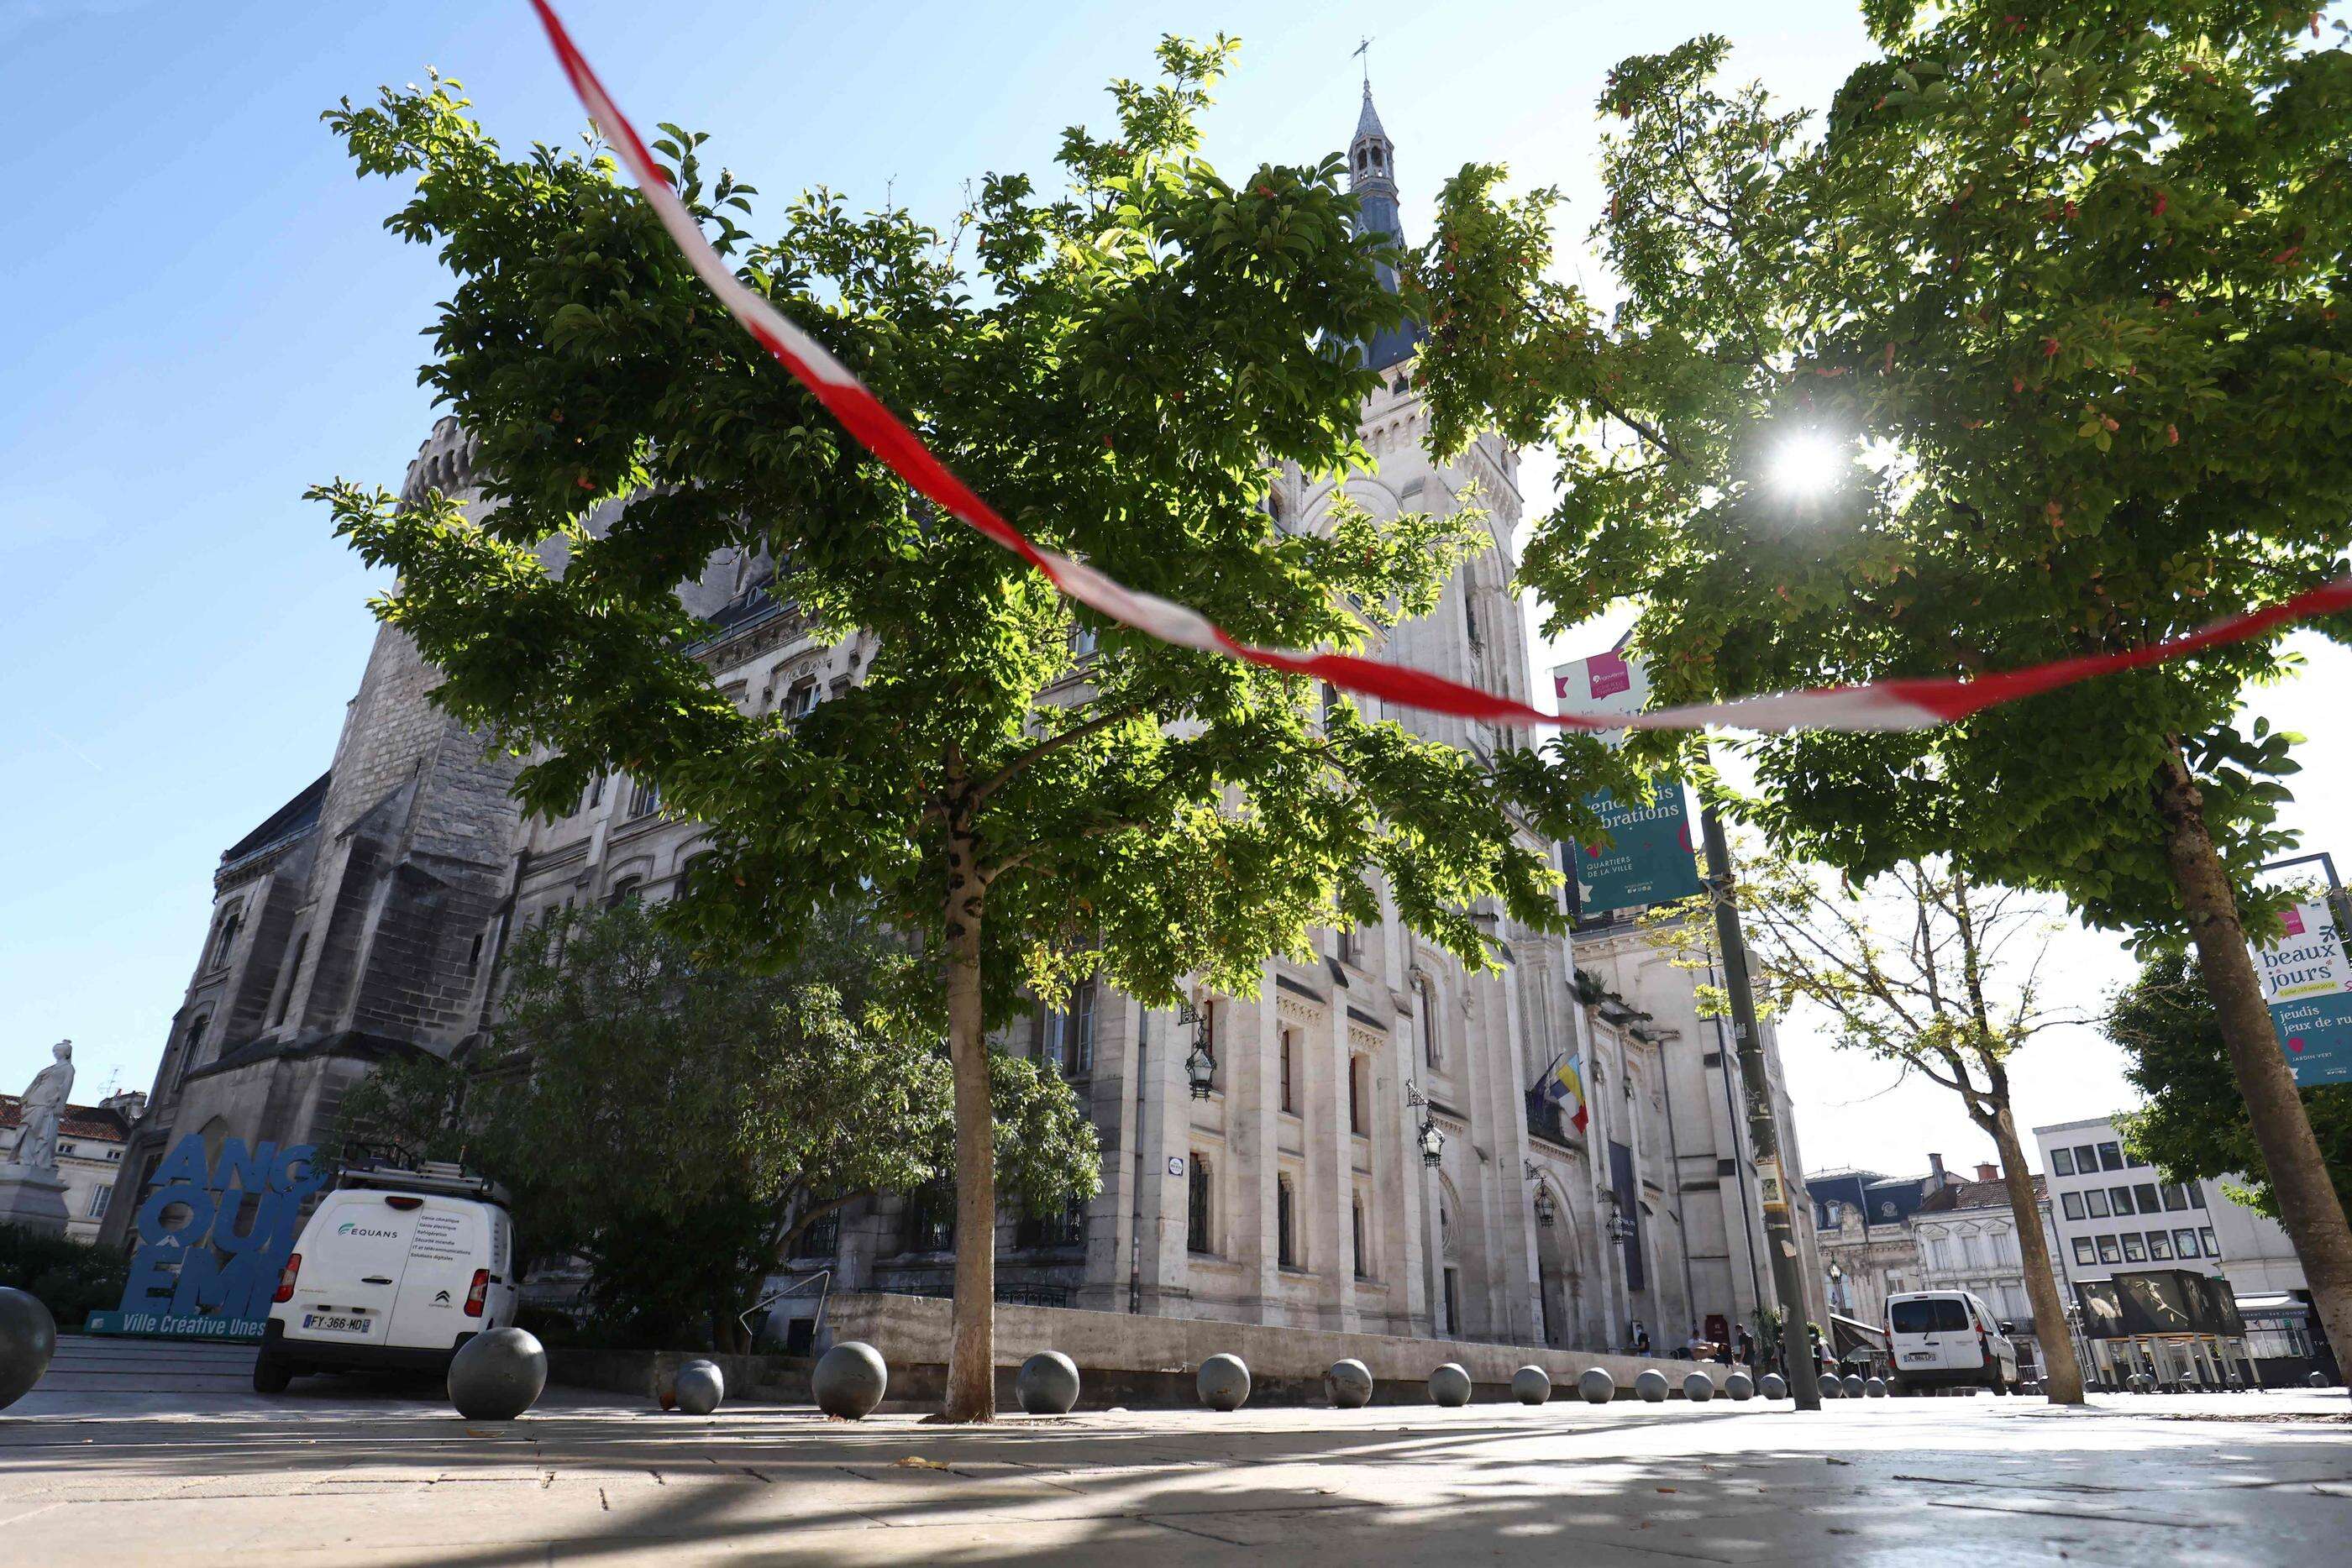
[1371,175]
[1368,123]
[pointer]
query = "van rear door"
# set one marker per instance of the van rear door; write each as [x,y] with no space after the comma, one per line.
[1932,1332]
[354,1253]
[449,1242]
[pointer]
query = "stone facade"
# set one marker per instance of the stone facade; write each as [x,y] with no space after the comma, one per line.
[1294,1195]
[1967,1238]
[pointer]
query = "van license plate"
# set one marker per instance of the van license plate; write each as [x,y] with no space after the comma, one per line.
[326,1323]
[1918,1355]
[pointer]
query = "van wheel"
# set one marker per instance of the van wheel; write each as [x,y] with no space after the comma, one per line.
[270,1375]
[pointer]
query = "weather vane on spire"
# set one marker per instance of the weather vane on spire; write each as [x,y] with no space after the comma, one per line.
[1361,52]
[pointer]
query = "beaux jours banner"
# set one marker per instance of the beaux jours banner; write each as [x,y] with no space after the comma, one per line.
[2308,983]
[1650,858]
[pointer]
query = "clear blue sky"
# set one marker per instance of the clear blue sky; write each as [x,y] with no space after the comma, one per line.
[205,318]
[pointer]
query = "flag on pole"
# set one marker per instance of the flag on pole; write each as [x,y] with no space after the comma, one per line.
[1563,1085]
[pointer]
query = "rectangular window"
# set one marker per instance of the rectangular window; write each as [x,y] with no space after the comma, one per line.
[98,1198]
[1356,1094]
[2097,1201]
[2134,1250]
[2061,1162]
[1928,1314]
[2184,1242]
[2133,1159]
[2084,1251]
[2159,1245]
[1453,1301]
[2196,1194]
[2111,1157]
[2108,1252]
[2145,1193]
[1080,1060]
[1289,1095]
[1285,1242]
[644,798]
[2123,1199]
[2072,1202]
[1196,1206]
[821,1240]
[2086,1158]
[2212,1247]
[2176,1199]
[929,1220]
[1356,1235]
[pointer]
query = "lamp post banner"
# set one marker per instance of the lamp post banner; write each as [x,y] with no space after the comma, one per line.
[1649,858]
[2307,981]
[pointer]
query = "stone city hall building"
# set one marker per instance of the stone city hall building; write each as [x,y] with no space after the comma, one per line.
[368,915]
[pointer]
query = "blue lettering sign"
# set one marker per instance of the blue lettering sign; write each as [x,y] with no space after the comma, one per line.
[213,1237]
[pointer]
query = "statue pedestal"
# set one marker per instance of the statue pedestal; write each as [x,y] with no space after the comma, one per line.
[35,1200]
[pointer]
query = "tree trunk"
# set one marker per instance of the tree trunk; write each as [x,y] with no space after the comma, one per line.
[2309,1206]
[972,1359]
[2062,1373]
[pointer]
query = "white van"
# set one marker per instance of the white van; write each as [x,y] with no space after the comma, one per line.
[1948,1339]
[396,1270]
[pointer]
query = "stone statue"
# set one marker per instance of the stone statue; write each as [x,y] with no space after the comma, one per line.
[43,1108]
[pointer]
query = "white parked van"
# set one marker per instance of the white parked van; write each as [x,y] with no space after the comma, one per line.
[1948,1339]
[396,1270]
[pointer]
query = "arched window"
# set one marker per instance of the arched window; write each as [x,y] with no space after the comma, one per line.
[225,940]
[1425,999]
[626,891]
[193,1041]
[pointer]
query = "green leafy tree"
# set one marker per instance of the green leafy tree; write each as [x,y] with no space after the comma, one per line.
[1918,967]
[2036,351]
[1114,365]
[2193,1124]
[677,1121]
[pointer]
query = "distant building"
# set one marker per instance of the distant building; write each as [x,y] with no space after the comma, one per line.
[1863,1219]
[91,1140]
[1967,1239]
[2114,1214]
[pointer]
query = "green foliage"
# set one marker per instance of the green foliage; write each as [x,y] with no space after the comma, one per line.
[2194,1123]
[70,1278]
[1918,965]
[675,1119]
[1114,367]
[2058,290]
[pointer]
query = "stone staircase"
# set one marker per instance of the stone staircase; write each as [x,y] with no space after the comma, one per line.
[97,1366]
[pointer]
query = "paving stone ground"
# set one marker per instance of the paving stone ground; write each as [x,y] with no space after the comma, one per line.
[338,1474]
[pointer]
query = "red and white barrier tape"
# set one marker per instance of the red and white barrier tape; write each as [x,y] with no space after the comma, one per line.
[1887,705]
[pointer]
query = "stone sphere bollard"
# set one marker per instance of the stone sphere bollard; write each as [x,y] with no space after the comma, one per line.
[1449,1385]
[1598,1386]
[2316,1380]
[1740,1386]
[1531,1384]
[499,1375]
[1773,1386]
[1874,1386]
[1699,1388]
[1651,1386]
[1047,1384]
[1348,1385]
[1831,1388]
[850,1380]
[701,1386]
[1224,1382]
[28,1338]
[1855,1386]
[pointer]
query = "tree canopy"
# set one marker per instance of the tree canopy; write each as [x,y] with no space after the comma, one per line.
[1116,362]
[2035,349]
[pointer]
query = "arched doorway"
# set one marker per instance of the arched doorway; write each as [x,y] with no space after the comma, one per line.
[1559,1276]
